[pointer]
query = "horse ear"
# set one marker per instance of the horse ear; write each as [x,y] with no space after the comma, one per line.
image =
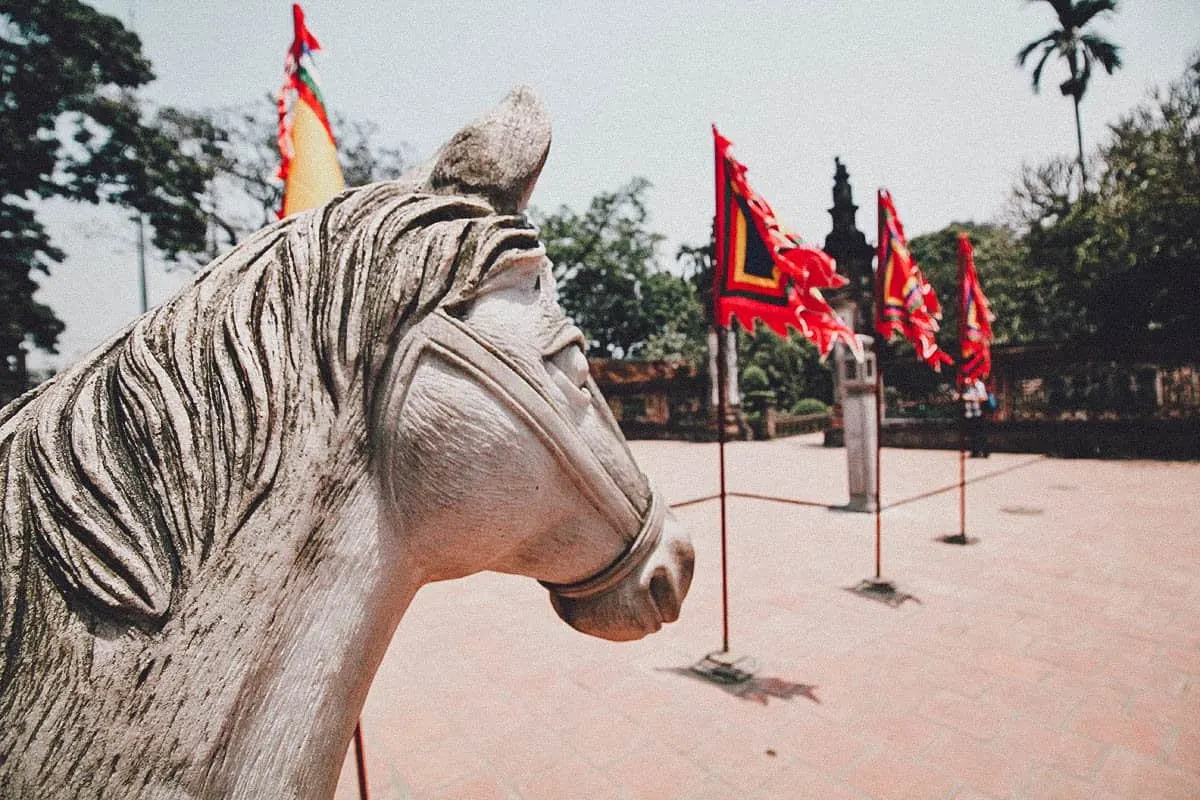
[497,157]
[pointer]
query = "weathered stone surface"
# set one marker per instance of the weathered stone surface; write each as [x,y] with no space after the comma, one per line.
[212,525]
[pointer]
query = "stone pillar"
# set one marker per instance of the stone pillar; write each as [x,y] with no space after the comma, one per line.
[859,423]
[853,303]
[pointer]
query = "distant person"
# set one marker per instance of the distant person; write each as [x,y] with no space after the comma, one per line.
[974,400]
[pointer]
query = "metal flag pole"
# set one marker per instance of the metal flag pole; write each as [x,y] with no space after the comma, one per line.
[721,666]
[360,760]
[878,462]
[878,587]
[961,536]
[722,410]
[878,346]
[962,478]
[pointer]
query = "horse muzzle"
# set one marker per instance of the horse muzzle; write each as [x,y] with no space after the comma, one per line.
[639,591]
[645,586]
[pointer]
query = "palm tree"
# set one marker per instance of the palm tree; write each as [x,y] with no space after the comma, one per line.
[1081,51]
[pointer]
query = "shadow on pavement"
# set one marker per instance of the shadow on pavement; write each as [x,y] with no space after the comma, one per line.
[757,689]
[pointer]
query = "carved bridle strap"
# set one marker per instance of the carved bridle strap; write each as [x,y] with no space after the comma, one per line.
[634,556]
[456,343]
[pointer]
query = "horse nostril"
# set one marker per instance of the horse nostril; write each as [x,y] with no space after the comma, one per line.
[664,595]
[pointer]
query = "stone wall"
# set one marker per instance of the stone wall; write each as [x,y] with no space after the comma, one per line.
[1160,438]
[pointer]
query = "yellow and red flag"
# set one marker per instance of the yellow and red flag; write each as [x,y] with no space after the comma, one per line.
[905,303]
[308,165]
[763,271]
[974,318]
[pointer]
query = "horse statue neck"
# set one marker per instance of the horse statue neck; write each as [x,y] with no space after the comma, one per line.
[261,598]
[258,674]
[296,666]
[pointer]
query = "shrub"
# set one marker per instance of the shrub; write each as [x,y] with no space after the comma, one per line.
[754,379]
[809,405]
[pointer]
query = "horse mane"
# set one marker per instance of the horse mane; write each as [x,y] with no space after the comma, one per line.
[121,475]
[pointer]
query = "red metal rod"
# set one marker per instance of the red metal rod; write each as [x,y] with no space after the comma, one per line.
[962,476]
[878,460]
[724,570]
[360,759]
[722,390]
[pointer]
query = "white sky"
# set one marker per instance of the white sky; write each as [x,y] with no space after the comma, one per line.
[919,96]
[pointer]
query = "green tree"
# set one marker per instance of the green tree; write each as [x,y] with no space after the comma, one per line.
[71,126]
[697,263]
[677,327]
[1121,264]
[1026,301]
[1143,224]
[1081,51]
[1053,226]
[792,367]
[610,282]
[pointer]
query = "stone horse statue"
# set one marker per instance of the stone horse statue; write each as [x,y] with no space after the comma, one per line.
[211,527]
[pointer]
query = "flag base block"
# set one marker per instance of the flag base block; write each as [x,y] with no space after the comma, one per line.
[860,505]
[877,586]
[958,538]
[882,590]
[724,667]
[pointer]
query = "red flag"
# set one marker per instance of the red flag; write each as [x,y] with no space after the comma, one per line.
[905,303]
[974,318]
[764,272]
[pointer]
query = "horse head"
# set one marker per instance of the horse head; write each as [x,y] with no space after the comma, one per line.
[211,525]
[493,431]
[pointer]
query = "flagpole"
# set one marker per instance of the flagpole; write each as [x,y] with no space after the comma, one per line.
[878,586]
[360,761]
[962,415]
[962,476]
[878,347]
[961,536]
[722,410]
[717,242]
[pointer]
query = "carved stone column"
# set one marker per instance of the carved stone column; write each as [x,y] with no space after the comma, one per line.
[853,303]
[859,412]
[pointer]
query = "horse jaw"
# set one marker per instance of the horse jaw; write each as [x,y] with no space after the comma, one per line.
[639,605]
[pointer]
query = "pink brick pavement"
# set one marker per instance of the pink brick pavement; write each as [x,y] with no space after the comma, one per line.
[1057,658]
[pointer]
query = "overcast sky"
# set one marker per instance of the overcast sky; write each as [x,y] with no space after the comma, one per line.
[919,96]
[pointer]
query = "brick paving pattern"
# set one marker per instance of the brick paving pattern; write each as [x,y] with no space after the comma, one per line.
[1059,657]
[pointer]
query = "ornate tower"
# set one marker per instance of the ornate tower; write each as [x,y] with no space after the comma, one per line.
[853,422]
[848,245]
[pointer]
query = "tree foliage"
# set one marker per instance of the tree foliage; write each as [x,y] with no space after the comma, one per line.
[1020,298]
[610,282]
[1118,265]
[1123,260]
[1143,223]
[245,193]
[792,366]
[72,126]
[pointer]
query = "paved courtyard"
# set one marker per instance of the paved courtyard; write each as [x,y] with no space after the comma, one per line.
[1058,657]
